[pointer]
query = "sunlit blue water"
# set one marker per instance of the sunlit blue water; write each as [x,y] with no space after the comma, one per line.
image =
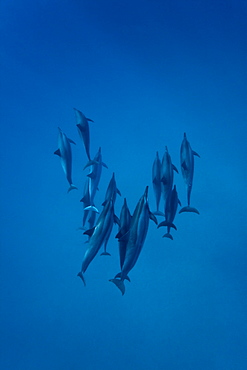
[145,72]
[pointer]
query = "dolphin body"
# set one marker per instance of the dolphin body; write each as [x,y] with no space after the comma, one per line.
[65,154]
[98,235]
[167,174]
[94,175]
[170,212]
[83,129]
[156,179]
[187,168]
[111,191]
[123,235]
[137,235]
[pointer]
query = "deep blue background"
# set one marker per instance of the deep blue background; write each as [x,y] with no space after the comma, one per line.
[145,72]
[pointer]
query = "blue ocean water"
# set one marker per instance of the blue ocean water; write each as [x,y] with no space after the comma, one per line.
[145,72]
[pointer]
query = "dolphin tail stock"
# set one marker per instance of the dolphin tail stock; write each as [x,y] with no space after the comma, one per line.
[71,188]
[168,235]
[189,209]
[119,284]
[80,274]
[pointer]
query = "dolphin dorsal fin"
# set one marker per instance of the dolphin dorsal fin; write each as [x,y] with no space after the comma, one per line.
[57,152]
[195,153]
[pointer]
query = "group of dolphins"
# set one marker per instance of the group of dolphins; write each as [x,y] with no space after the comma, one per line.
[132,230]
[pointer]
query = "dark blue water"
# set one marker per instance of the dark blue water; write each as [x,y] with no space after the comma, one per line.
[145,72]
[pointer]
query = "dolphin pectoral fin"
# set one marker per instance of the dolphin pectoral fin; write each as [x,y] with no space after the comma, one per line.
[83,199]
[89,232]
[71,141]
[123,237]
[91,208]
[158,213]
[174,168]
[57,152]
[90,163]
[195,153]
[189,209]
[153,218]
[119,284]
[168,235]
[179,203]
[89,119]
[166,223]
[71,188]
[163,223]
[118,191]
[80,274]
[104,165]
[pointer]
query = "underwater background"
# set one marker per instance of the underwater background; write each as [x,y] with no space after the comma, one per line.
[145,72]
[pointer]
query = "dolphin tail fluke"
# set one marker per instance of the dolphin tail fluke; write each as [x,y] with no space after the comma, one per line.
[105,254]
[168,235]
[91,208]
[189,209]
[71,188]
[80,274]
[119,284]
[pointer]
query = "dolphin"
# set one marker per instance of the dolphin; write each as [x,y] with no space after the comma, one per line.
[170,212]
[65,154]
[136,238]
[187,168]
[98,235]
[83,129]
[123,235]
[94,175]
[156,179]
[167,175]
[112,190]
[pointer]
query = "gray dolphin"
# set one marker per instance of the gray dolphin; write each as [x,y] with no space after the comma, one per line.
[123,235]
[187,168]
[170,212]
[137,235]
[65,154]
[156,179]
[167,174]
[98,236]
[83,129]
